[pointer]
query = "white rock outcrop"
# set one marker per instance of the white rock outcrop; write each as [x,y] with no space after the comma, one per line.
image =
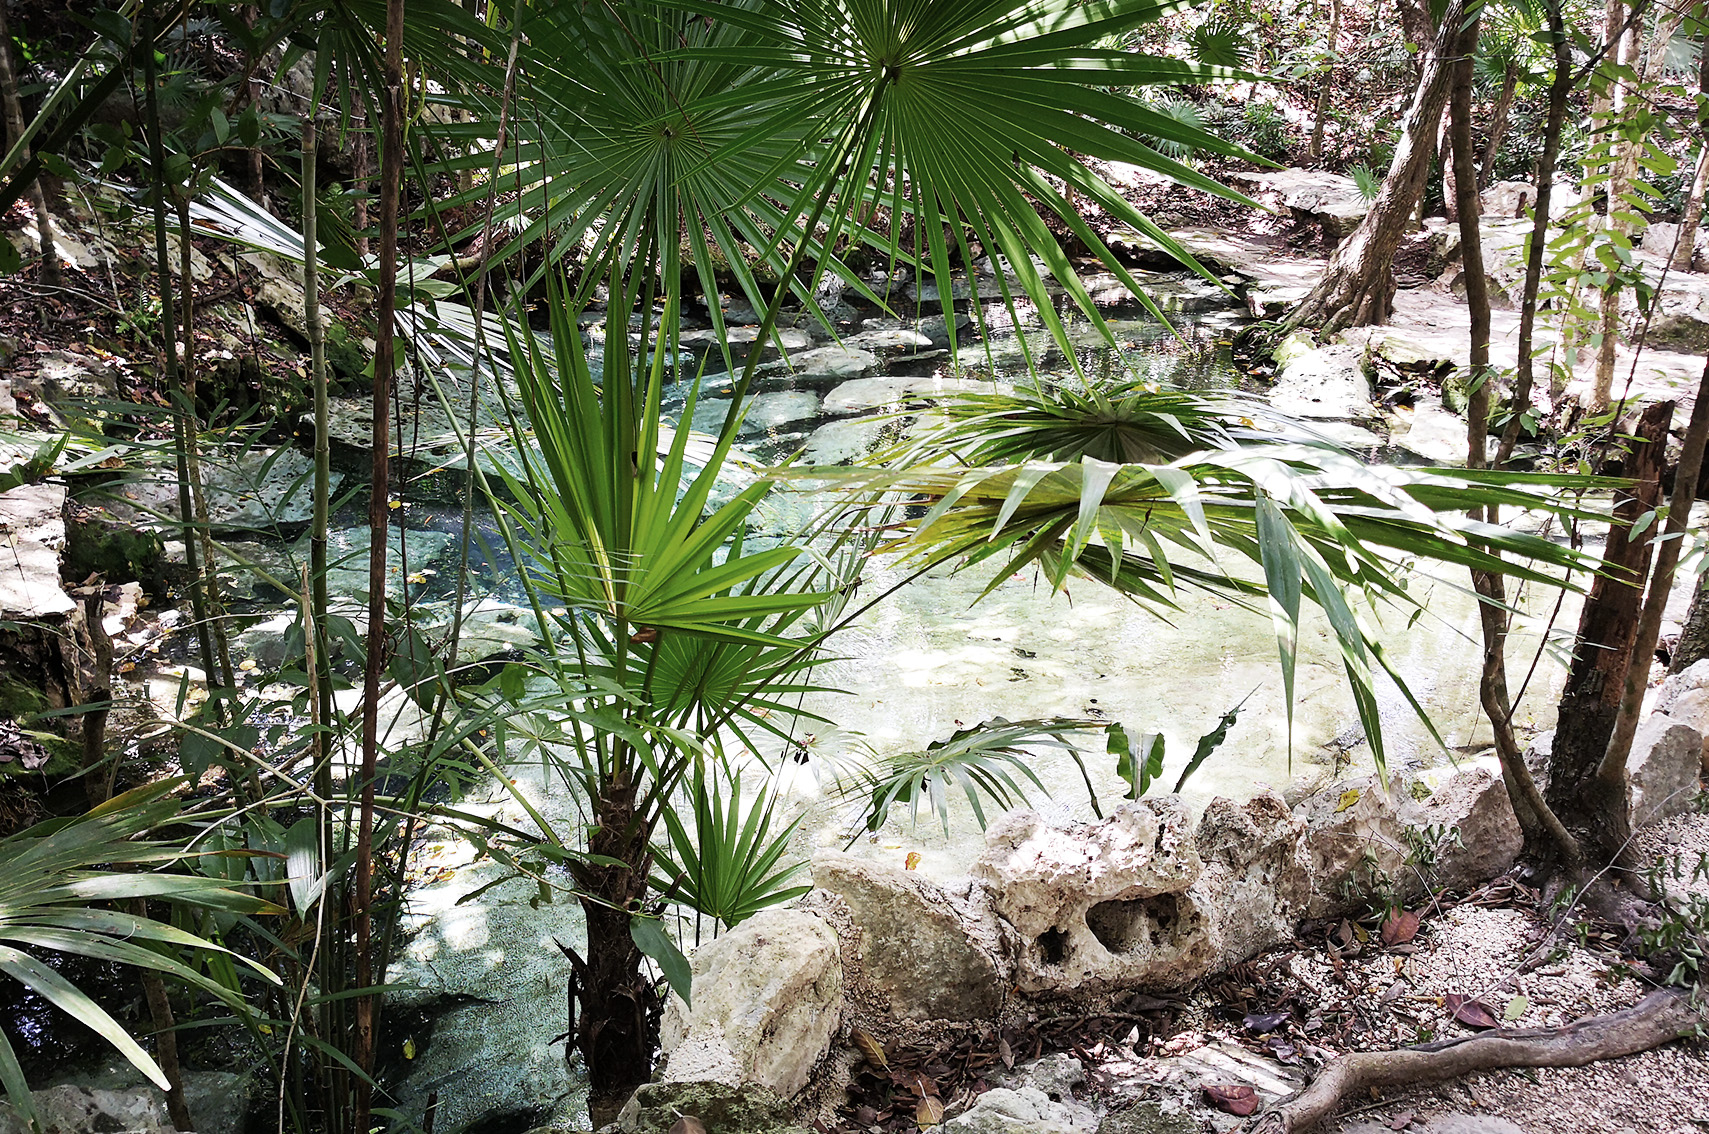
[767,998]
[1663,769]
[932,954]
[1472,829]
[1256,878]
[1356,841]
[1100,905]
[1684,696]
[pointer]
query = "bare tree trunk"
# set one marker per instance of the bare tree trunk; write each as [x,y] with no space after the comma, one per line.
[1560,88]
[1693,216]
[1357,287]
[1328,81]
[379,518]
[1608,316]
[165,1037]
[1498,124]
[1541,826]
[50,276]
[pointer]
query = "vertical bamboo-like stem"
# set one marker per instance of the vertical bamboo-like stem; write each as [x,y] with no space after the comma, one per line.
[385,365]
[165,1037]
[163,268]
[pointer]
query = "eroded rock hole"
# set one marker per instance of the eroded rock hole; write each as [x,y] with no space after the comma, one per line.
[1127,924]
[1053,943]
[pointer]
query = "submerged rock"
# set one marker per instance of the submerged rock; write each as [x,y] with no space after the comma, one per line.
[932,955]
[767,999]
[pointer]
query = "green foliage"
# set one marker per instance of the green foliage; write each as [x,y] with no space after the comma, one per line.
[726,866]
[62,879]
[987,761]
[1369,181]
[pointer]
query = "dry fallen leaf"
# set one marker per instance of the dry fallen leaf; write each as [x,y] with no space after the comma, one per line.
[1237,1099]
[1005,1053]
[1472,1013]
[1402,1120]
[1399,927]
[1262,1022]
[930,1112]
[1348,799]
[870,1049]
[912,861]
[688,1124]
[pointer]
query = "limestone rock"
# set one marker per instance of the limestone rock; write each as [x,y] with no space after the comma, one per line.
[1147,1117]
[722,1108]
[1356,841]
[71,1109]
[1684,696]
[1477,835]
[1322,383]
[922,948]
[1005,1111]
[1056,1077]
[1332,201]
[1100,905]
[32,519]
[1257,873]
[842,442]
[1681,319]
[767,1000]
[1663,769]
[862,394]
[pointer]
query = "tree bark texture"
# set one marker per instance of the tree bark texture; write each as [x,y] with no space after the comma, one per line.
[1692,217]
[1498,124]
[1596,678]
[50,275]
[1332,41]
[1357,288]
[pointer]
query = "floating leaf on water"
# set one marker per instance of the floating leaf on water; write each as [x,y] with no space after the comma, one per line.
[1237,1099]
[1399,927]
[929,1112]
[1472,1013]
[409,1048]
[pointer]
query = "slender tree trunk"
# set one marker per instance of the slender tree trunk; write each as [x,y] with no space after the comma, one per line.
[1498,124]
[1541,826]
[1591,698]
[165,1037]
[360,171]
[379,516]
[1357,287]
[1334,40]
[1560,88]
[1693,214]
[1693,644]
[50,275]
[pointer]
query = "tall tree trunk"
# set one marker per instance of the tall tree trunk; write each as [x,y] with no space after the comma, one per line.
[1591,699]
[1560,89]
[1542,828]
[379,519]
[1498,124]
[1334,40]
[1357,287]
[50,275]
[1693,215]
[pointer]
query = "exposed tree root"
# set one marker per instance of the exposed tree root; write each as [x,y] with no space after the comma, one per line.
[1661,1016]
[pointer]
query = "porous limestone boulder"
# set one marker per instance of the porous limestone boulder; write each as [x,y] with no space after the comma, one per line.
[67,1109]
[1663,769]
[931,953]
[1470,824]
[767,998]
[1684,696]
[1257,873]
[1026,1110]
[1103,905]
[1355,839]
[656,1108]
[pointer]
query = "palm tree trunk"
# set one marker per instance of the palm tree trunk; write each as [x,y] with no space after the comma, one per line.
[1357,288]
